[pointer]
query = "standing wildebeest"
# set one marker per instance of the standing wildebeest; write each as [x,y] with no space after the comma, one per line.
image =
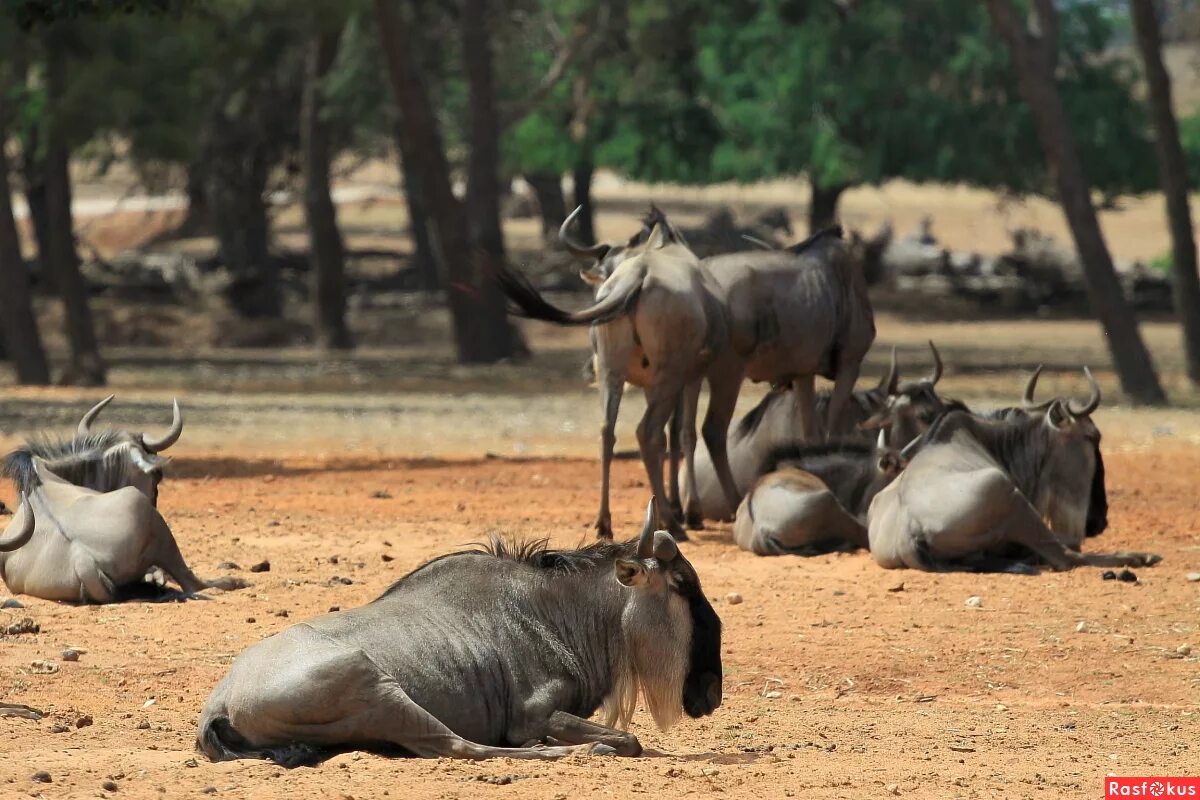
[906,408]
[481,654]
[975,487]
[812,499]
[656,323]
[96,529]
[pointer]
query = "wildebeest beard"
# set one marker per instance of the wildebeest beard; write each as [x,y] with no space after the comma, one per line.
[1097,513]
[702,686]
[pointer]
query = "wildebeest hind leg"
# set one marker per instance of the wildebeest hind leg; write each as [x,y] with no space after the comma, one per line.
[661,400]
[724,385]
[612,387]
[675,446]
[843,387]
[569,729]
[694,515]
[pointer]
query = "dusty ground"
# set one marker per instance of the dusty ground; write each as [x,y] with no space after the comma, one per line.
[881,689]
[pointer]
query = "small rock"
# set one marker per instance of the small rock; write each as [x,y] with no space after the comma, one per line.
[386,557]
[336,580]
[892,788]
[381,494]
[58,727]
[710,772]
[975,601]
[795,698]
[109,786]
[41,777]
[149,703]
[83,721]
[1108,575]
[209,790]
[1001,707]
[251,619]
[70,654]
[1127,576]
[1193,577]
[733,598]
[1081,627]
[272,524]
[774,694]
[23,625]
[262,566]
[227,565]
[191,762]
[12,602]
[334,608]
[460,506]
[43,667]
[283,612]
[899,587]
[1184,649]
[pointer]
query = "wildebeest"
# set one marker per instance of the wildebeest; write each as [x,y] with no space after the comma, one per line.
[975,487]
[906,408]
[812,499]
[482,654]
[96,529]
[656,323]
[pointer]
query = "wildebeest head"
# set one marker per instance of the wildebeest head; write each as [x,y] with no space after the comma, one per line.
[605,257]
[1076,500]
[911,406]
[673,633]
[103,461]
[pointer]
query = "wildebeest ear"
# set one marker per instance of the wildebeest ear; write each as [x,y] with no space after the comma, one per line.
[630,572]
[659,237]
[591,277]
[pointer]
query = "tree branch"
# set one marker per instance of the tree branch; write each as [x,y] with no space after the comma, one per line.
[567,53]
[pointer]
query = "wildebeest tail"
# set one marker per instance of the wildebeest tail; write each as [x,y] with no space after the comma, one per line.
[832,230]
[530,302]
[220,742]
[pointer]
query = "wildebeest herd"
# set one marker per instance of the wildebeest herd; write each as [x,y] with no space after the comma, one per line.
[510,648]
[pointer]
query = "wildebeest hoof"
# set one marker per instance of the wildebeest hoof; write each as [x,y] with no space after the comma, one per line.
[1108,575]
[678,533]
[597,749]
[1126,576]
[694,522]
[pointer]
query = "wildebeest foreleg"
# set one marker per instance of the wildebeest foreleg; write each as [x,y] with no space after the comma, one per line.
[843,387]
[675,446]
[693,516]
[662,398]
[1026,528]
[569,729]
[167,556]
[724,384]
[612,387]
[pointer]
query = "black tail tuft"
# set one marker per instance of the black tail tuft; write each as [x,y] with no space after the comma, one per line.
[18,466]
[220,742]
[833,230]
[529,300]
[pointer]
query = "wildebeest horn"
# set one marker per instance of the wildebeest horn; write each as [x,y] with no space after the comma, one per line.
[1027,397]
[881,441]
[891,381]
[908,448]
[25,532]
[646,540]
[1093,402]
[578,250]
[171,436]
[85,424]
[936,375]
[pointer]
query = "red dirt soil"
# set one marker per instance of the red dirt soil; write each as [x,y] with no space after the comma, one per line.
[842,679]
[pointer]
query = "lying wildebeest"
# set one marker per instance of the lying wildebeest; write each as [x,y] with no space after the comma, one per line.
[96,529]
[906,408]
[975,487]
[812,499]
[656,323]
[480,654]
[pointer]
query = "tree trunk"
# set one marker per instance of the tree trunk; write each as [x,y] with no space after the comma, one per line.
[552,204]
[86,367]
[424,259]
[585,223]
[197,219]
[483,163]
[822,210]
[18,326]
[326,253]
[1033,56]
[236,189]
[1173,176]
[481,331]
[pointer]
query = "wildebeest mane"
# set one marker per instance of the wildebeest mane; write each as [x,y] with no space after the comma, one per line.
[750,422]
[780,456]
[832,231]
[97,460]
[1097,513]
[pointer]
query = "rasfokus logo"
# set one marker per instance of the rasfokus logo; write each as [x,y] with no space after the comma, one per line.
[1151,787]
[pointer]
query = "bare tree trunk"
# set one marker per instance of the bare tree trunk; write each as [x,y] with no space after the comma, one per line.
[822,210]
[236,189]
[1173,176]
[552,204]
[424,259]
[326,253]
[1033,56]
[18,325]
[481,332]
[585,223]
[86,367]
[483,164]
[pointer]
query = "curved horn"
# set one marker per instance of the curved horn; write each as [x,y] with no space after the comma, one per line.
[25,532]
[881,441]
[891,381]
[1093,402]
[908,448]
[85,424]
[936,375]
[646,540]
[171,436]
[578,250]
[1027,397]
